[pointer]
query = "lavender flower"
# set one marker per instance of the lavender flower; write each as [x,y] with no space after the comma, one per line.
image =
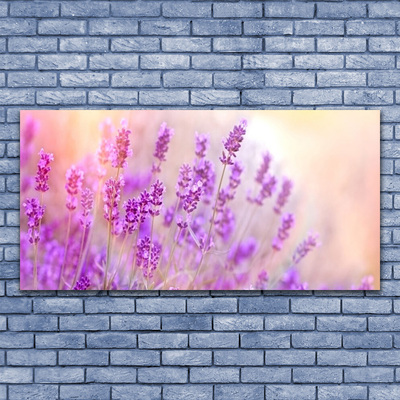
[193,197]
[144,202]
[164,136]
[236,172]
[111,197]
[120,151]
[225,223]
[264,168]
[291,281]
[182,222]
[204,171]
[202,145]
[168,216]
[156,197]
[87,205]
[28,132]
[43,169]
[233,142]
[242,251]
[305,247]
[34,211]
[283,196]
[262,280]
[74,177]
[132,213]
[184,178]
[82,284]
[267,189]
[147,258]
[287,224]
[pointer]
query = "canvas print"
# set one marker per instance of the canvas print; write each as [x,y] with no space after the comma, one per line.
[199,200]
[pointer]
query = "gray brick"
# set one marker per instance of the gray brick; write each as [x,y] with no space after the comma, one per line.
[317,375]
[365,27]
[127,97]
[135,322]
[383,392]
[214,375]
[212,305]
[214,62]
[37,392]
[31,45]
[17,61]
[59,375]
[84,323]
[289,79]
[193,45]
[9,271]
[261,340]
[36,9]
[238,357]
[214,340]
[98,392]
[16,340]
[186,10]
[159,98]
[389,44]
[137,79]
[135,357]
[367,306]
[319,61]
[187,323]
[19,26]
[289,392]
[384,78]
[64,97]
[341,323]
[346,10]
[186,357]
[84,9]
[342,358]
[384,10]
[241,323]
[62,61]
[13,151]
[163,340]
[140,9]
[367,341]
[16,375]
[238,10]
[15,305]
[164,306]
[289,357]
[216,27]
[341,45]
[270,27]
[165,28]
[32,323]
[288,10]
[111,26]
[368,97]
[214,97]
[113,61]
[179,392]
[386,323]
[135,44]
[113,340]
[384,357]
[83,357]
[83,79]
[57,306]
[109,305]
[110,375]
[12,217]
[267,61]
[136,392]
[266,96]
[263,305]
[7,167]
[313,97]
[164,61]
[317,27]
[61,27]
[319,340]
[369,61]
[31,357]
[239,392]
[3,13]
[186,79]
[342,78]
[347,392]
[289,323]
[87,45]
[266,375]
[368,374]
[237,45]
[162,375]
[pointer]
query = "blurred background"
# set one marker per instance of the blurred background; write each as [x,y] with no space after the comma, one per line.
[331,156]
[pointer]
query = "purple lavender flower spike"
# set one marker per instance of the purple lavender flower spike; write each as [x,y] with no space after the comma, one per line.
[82,284]
[73,186]
[184,178]
[168,216]
[132,214]
[233,142]
[156,197]
[87,198]
[262,280]
[182,222]
[112,197]
[193,197]
[43,169]
[202,145]
[264,167]
[236,172]
[144,201]
[164,136]
[225,223]
[143,256]
[204,171]
[242,251]
[120,151]
[305,247]
[287,224]
[283,196]
[34,211]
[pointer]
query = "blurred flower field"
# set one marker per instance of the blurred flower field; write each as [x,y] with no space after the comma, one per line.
[199,200]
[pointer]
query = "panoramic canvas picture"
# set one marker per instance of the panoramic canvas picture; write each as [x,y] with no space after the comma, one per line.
[199,200]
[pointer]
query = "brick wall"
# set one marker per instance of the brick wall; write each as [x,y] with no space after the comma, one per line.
[199,345]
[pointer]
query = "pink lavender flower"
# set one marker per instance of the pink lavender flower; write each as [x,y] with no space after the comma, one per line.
[87,198]
[168,216]
[120,151]
[82,284]
[287,224]
[236,172]
[111,197]
[267,189]
[193,197]
[182,222]
[283,196]
[262,280]
[264,168]
[210,243]
[132,214]
[305,247]
[144,202]
[204,171]
[202,145]
[103,156]
[164,136]
[225,223]
[233,142]
[74,177]
[184,178]
[242,251]
[147,258]
[291,281]
[34,211]
[43,169]
[107,128]
[157,190]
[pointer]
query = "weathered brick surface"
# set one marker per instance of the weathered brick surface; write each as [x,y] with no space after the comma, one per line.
[205,54]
